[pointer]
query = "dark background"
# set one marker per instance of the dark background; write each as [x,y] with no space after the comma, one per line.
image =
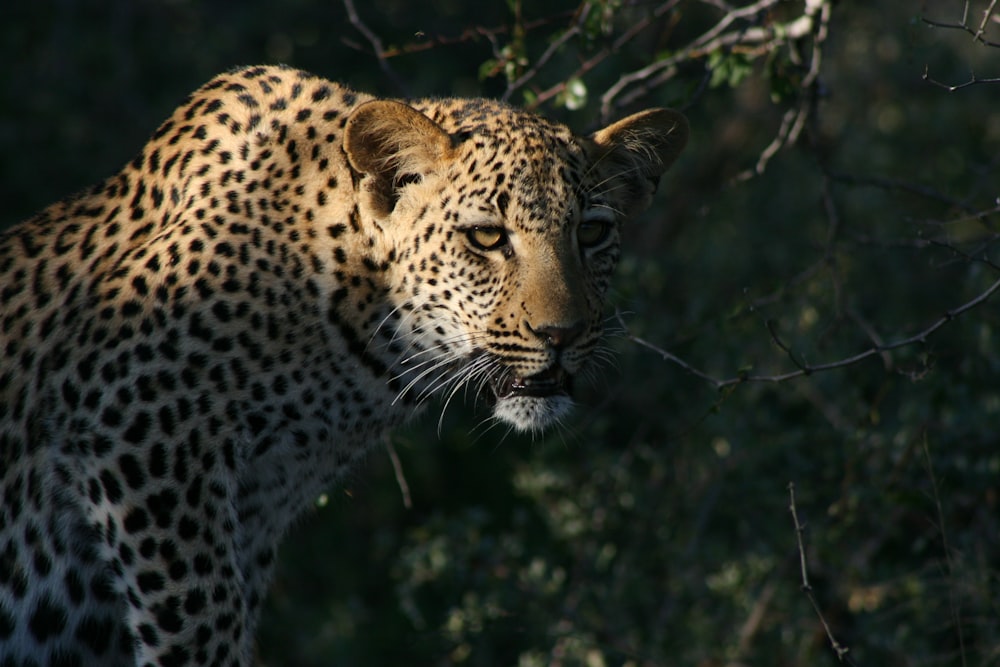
[654,529]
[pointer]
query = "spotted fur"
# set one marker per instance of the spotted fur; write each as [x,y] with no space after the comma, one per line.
[195,348]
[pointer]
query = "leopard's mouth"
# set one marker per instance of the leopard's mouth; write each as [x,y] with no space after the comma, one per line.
[552,381]
[531,403]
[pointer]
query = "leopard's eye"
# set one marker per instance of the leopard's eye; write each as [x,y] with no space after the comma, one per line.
[591,233]
[487,238]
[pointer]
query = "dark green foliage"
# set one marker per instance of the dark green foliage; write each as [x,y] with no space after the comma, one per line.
[654,529]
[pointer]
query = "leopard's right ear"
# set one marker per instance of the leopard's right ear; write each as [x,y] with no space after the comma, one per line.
[640,148]
[393,144]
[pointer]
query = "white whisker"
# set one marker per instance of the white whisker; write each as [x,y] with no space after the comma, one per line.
[445,344]
[440,363]
[381,324]
[485,425]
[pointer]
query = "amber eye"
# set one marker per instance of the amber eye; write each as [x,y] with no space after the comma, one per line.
[487,238]
[592,232]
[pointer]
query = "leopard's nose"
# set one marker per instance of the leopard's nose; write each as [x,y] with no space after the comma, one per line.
[557,336]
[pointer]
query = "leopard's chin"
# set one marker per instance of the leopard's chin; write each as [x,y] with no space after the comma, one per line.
[532,413]
[532,403]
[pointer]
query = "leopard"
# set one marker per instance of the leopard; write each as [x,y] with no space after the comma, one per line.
[196,348]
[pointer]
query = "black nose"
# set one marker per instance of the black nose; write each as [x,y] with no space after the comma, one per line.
[559,337]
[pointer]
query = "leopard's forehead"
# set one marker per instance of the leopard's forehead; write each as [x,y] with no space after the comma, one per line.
[533,168]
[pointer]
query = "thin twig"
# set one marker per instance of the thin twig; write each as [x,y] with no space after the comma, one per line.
[986,17]
[772,329]
[397,468]
[973,81]
[554,47]
[376,43]
[905,186]
[956,612]
[978,255]
[750,39]
[978,35]
[599,57]
[815,19]
[791,123]
[713,39]
[432,41]
[963,25]
[872,334]
[843,652]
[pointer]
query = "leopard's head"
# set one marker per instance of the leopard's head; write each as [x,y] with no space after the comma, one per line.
[503,231]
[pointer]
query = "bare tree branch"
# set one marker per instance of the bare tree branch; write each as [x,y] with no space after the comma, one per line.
[955,611]
[709,41]
[963,25]
[973,81]
[750,39]
[978,36]
[376,44]
[905,186]
[569,33]
[804,369]
[795,119]
[397,468]
[986,18]
[592,62]
[843,652]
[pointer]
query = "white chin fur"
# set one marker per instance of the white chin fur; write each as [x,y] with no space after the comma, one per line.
[532,413]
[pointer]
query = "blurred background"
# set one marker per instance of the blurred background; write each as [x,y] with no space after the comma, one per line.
[809,302]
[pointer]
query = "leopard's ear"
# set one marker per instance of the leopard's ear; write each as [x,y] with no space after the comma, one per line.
[640,148]
[393,144]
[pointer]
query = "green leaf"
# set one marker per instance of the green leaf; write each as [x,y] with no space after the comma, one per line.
[574,95]
[728,68]
[488,69]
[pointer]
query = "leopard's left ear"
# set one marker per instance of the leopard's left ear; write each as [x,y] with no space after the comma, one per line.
[641,147]
[393,144]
